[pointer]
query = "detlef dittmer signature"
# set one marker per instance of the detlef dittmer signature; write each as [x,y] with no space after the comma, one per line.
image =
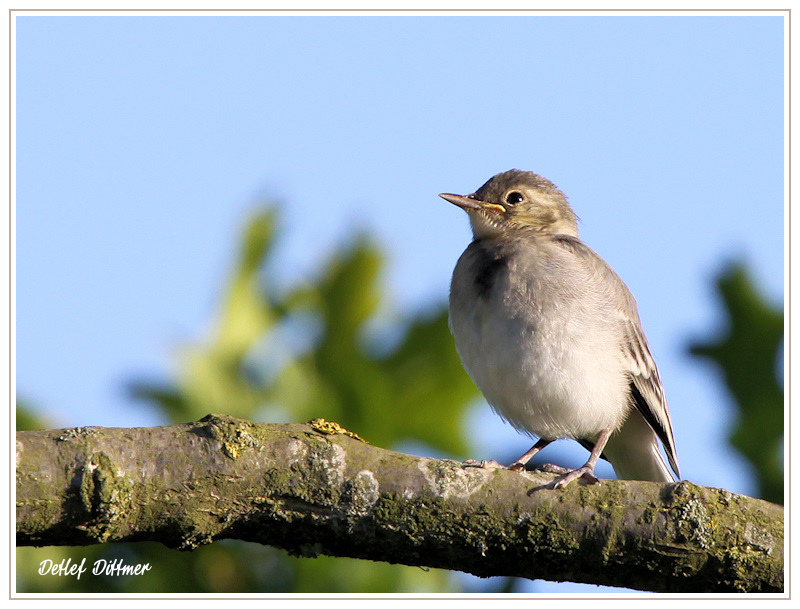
[67,568]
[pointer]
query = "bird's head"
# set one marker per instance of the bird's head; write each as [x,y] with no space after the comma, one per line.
[517,200]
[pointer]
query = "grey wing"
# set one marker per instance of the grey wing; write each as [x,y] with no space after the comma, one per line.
[646,390]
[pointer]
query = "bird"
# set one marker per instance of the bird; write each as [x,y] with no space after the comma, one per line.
[552,337]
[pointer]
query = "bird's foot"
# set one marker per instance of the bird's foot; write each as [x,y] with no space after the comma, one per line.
[569,475]
[517,466]
[484,464]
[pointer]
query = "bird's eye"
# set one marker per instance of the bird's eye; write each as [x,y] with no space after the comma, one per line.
[514,197]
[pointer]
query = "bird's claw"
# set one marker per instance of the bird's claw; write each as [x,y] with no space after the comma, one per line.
[551,468]
[484,464]
[569,475]
[587,475]
[492,464]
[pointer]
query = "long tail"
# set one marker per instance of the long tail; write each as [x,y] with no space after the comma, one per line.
[633,452]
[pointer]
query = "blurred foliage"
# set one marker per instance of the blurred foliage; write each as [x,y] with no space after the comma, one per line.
[25,419]
[306,352]
[748,355]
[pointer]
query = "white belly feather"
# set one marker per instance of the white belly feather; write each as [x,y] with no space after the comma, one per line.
[554,380]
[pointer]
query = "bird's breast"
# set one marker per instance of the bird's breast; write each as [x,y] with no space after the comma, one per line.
[529,348]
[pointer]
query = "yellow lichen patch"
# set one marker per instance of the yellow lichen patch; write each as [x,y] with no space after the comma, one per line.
[331,427]
[231,449]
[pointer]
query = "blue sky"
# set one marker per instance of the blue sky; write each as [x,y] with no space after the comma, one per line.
[143,141]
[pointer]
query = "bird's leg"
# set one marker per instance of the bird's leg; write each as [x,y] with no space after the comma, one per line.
[484,464]
[517,465]
[587,470]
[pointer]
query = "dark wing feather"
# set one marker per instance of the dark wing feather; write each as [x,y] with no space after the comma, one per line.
[646,390]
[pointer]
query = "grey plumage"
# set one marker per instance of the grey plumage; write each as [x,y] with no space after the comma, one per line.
[551,335]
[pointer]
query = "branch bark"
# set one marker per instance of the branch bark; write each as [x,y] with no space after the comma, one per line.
[313,489]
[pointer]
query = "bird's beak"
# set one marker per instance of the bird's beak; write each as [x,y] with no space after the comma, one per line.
[470,202]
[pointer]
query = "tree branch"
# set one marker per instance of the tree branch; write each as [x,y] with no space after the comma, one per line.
[311,492]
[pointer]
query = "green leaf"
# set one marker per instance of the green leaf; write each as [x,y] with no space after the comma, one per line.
[213,376]
[432,390]
[246,314]
[747,354]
